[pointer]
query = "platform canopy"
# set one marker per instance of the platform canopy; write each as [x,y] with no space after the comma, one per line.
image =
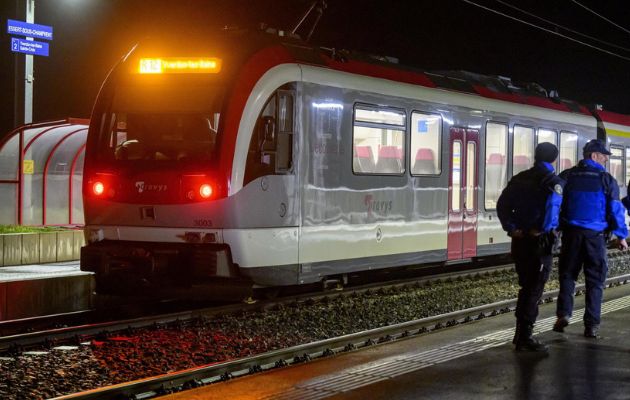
[41,172]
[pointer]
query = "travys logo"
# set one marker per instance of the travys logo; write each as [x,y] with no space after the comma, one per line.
[151,187]
[382,207]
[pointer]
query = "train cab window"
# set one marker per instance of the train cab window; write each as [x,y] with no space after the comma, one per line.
[271,146]
[426,136]
[378,140]
[496,163]
[549,136]
[522,149]
[568,150]
[615,164]
[627,159]
[162,137]
[161,123]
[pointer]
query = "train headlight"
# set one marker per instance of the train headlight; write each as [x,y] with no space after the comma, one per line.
[205,191]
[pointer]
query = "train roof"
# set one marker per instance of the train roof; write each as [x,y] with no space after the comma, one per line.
[242,44]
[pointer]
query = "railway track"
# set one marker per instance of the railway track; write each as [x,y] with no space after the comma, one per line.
[175,382]
[55,329]
[258,320]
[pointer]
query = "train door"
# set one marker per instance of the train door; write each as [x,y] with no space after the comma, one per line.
[462,196]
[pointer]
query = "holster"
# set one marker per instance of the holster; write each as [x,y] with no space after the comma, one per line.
[547,244]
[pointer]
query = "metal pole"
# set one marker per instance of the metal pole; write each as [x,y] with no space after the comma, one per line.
[28,69]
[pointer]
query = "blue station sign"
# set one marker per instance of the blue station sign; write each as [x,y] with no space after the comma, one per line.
[36,31]
[29,47]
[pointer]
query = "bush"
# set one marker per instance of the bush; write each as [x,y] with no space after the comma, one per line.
[28,229]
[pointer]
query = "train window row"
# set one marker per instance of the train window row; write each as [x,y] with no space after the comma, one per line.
[379,141]
[379,147]
[524,140]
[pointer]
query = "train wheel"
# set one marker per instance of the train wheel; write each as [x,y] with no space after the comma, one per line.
[250,300]
[266,293]
[332,284]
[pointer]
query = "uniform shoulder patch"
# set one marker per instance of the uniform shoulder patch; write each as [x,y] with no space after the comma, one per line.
[557,188]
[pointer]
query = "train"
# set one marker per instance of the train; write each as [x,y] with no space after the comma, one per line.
[254,155]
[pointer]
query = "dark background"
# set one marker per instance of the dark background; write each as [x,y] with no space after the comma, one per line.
[91,35]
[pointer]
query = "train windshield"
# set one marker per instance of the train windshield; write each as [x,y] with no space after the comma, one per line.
[160,125]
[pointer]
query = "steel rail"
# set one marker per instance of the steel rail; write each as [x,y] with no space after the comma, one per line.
[195,377]
[87,331]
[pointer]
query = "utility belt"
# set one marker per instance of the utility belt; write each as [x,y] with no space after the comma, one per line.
[547,243]
[589,232]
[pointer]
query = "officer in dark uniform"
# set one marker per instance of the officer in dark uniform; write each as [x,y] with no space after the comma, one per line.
[590,211]
[529,209]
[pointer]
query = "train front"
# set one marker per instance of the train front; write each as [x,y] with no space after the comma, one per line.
[154,191]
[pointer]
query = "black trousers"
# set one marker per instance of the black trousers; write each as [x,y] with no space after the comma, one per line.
[533,271]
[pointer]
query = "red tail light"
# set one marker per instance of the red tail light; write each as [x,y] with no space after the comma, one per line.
[205,191]
[198,188]
[98,188]
[101,185]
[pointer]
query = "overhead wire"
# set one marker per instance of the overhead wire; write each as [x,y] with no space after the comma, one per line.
[562,27]
[547,30]
[601,16]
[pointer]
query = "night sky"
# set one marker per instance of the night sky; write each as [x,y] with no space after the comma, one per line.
[91,35]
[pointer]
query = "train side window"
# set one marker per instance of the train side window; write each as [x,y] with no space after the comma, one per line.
[568,150]
[378,139]
[271,146]
[625,182]
[496,163]
[549,136]
[522,149]
[426,136]
[616,164]
[284,146]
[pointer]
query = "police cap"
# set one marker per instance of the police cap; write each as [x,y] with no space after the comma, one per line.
[595,146]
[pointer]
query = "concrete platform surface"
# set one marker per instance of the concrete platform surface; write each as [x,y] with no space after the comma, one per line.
[470,361]
[43,289]
[41,271]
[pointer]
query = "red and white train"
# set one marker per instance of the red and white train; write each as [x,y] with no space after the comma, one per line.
[256,155]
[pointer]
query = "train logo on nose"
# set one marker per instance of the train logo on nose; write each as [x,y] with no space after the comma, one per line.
[140,187]
[151,187]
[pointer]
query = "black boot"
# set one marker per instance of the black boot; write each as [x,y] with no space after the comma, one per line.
[517,333]
[525,341]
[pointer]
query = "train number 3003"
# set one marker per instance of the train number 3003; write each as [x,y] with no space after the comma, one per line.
[203,222]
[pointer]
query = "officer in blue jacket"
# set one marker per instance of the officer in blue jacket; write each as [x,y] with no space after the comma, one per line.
[590,211]
[529,209]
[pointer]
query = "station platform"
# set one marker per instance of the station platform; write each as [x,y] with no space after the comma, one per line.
[28,291]
[469,361]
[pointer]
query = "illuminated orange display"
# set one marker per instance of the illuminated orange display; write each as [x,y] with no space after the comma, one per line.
[179,65]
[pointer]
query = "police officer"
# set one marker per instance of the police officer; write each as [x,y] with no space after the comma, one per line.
[529,209]
[590,211]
